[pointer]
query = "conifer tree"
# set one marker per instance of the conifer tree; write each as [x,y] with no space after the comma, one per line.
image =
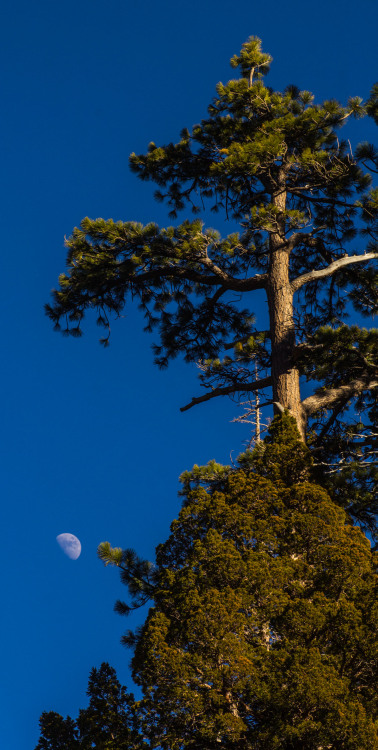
[110,722]
[302,199]
[262,633]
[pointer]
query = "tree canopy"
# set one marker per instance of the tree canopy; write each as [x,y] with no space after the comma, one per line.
[262,632]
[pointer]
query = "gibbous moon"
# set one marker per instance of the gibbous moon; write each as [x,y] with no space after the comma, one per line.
[70,545]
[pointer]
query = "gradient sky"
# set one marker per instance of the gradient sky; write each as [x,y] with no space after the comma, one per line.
[93,439]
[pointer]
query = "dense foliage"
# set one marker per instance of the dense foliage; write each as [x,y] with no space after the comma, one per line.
[262,634]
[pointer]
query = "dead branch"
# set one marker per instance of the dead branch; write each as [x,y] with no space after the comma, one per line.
[330,397]
[329,270]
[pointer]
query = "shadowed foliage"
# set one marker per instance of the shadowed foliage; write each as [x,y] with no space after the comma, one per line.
[109,723]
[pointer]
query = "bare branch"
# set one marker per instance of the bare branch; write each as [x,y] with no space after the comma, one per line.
[329,270]
[240,387]
[330,397]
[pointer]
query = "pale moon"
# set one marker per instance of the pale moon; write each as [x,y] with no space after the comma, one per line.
[70,545]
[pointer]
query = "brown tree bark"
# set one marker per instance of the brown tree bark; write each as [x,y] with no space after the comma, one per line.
[285,377]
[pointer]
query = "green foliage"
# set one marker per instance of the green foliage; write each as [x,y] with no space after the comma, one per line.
[109,723]
[263,629]
[251,58]
[137,574]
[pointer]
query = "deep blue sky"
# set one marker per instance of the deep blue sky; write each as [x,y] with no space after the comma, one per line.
[93,440]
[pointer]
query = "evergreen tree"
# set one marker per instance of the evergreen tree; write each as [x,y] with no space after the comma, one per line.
[262,634]
[308,217]
[109,723]
[57,733]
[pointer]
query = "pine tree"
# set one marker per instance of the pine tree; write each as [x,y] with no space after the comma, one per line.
[57,733]
[307,213]
[262,633]
[110,722]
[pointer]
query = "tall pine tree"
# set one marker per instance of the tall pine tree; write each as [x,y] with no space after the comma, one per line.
[273,163]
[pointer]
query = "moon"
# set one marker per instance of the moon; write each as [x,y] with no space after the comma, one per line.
[70,545]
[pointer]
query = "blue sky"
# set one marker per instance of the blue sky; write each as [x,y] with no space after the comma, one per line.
[93,439]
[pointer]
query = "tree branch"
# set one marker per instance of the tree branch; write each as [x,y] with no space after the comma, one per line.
[338,408]
[241,387]
[228,282]
[329,270]
[217,271]
[330,397]
[308,238]
[216,296]
[317,199]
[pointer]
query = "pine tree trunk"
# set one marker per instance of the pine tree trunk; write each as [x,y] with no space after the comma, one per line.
[286,391]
